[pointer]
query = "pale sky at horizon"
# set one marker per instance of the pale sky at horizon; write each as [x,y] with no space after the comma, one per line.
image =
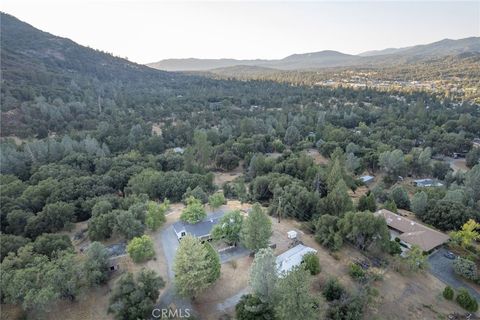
[147,31]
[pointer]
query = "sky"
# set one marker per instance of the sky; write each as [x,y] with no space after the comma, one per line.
[147,31]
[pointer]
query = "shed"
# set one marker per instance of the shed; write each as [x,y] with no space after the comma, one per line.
[292,234]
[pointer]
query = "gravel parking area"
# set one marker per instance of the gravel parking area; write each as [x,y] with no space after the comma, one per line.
[442,268]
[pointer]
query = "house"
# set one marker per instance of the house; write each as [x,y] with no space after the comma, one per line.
[292,258]
[200,230]
[476,143]
[422,183]
[367,179]
[178,150]
[411,233]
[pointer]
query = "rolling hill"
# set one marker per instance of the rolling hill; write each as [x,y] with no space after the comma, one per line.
[329,58]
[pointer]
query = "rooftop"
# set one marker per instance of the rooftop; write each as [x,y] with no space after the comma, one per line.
[117,249]
[200,229]
[292,257]
[413,232]
[366,178]
[427,183]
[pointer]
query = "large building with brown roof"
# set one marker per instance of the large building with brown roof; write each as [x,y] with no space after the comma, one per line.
[411,232]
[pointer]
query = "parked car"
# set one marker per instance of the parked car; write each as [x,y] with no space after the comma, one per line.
[449,255]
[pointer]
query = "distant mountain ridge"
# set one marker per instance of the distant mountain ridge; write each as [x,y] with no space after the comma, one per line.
[330,58]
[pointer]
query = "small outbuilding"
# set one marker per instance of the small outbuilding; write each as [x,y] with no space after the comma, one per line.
[292,234]
[367,179]
[292,258]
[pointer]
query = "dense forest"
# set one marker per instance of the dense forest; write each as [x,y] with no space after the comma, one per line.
[88,136]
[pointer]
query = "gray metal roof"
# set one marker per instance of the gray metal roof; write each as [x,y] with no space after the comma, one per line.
[428,183]
[202,228]
[366,178]
[292,258]
[117,249]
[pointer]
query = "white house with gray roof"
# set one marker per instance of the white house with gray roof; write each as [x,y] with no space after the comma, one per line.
[292,258]
[201,230]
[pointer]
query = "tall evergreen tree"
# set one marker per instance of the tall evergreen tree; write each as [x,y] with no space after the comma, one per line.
[294,298]
[263,275]
[193,267]
[257,229]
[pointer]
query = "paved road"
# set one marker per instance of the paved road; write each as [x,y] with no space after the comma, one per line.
[442,268]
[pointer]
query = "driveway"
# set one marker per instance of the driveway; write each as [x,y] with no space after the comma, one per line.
[170,296]
[232,301]
[442,268]
[170,245]
[233,254]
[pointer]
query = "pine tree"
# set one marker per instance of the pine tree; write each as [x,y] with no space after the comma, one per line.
[294,298]
[193,267]
[257,229]
[263,275]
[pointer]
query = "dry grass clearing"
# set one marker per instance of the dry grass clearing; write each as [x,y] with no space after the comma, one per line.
[459,165]
[414,296]
[411,296]
[220,178]
[233,279]
[157,128]
[317,157]
[362,190]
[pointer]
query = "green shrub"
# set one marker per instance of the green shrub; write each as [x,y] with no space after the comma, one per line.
[216,200]
[141,249]
[391,206]
[465,268]
[466,301]
[311,263]
[393,247]
[356,272]
[448,293]
[197,193]
[333,290]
